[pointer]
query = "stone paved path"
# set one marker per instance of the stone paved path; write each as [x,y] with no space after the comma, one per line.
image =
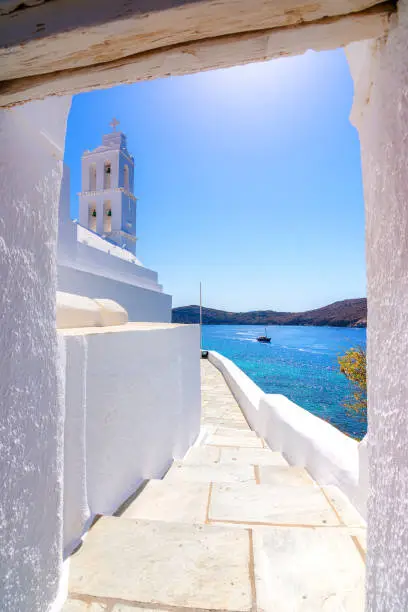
[231,528]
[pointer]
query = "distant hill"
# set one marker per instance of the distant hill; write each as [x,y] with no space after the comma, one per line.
[346,313]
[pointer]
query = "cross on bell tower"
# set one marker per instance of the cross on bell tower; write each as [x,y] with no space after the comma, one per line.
[114,123]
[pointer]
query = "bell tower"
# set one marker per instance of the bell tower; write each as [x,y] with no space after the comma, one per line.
[107,205]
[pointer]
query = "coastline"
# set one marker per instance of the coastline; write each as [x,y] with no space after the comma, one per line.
[350,326]
[346,313]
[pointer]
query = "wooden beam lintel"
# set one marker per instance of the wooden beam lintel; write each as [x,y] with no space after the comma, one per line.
[210,53]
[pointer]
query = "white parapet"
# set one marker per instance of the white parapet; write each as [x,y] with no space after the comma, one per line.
[304,439]
[132,405]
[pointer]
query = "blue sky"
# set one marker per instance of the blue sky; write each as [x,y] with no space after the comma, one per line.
[249,180]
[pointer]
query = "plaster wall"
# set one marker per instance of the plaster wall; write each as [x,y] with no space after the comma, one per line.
[132,406]
[380,113]
[330,456]
[31,416]
[87,237]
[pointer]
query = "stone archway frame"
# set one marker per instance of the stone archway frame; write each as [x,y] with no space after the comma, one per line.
[66,46]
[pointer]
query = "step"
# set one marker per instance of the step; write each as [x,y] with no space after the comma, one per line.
[235,441]
[77,605]
[347,513]
[245,504]
[127,564]
[202,454]
[282,475]
[164,564]
[254,456]
[231,432]
[307,570]
[225,418]
[266,504]
[181,471]
[235,456]
[235,422]
[161,500]
[269,505]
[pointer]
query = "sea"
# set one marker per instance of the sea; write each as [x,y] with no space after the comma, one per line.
[300,362]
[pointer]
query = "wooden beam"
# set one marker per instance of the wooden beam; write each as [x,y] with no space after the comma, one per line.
[215,52]
[67,34]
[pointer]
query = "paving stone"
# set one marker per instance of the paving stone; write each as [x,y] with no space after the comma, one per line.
[360,542]
[165,564]
[74,605]
[306,570]
[284,505]
[202,454]
[229,423]
[253,456]
[362,538]
[283,475]
[128,608]
[180,472]
[346,511]
[162,500]
[357,534]
[239,441]
[230,432]
[161,556]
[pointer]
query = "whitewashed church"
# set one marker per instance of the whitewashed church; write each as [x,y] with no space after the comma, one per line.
[97,254]
[107,204]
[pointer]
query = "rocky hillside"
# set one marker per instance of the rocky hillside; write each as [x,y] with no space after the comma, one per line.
[347,313]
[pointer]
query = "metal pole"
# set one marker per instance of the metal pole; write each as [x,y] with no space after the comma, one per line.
[201,321]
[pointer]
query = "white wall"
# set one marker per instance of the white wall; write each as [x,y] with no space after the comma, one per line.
[141,304]
[132,406]
[380,113]
[31,415]
[330,456]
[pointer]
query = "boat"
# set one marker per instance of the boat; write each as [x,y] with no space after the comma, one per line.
[264,338]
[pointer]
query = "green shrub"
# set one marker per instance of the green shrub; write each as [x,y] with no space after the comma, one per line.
[353,364]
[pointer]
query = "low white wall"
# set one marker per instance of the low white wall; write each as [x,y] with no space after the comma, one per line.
[133,404]
[330,456]
[141,304]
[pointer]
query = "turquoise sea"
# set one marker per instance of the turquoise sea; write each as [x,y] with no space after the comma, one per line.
[300,362]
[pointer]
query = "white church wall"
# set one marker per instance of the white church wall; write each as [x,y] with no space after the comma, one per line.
[330,456]
[380,113]
[89,238]
[132,406]
[31,419]
[142,304]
